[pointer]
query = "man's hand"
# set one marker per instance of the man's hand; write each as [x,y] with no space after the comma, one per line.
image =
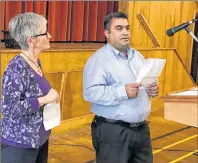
[153,89]
[132,90]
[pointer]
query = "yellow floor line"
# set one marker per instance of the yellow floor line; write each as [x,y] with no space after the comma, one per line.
[184,156]
[176,143]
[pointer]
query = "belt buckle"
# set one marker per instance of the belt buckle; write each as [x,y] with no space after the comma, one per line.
[136,124]
[132,125]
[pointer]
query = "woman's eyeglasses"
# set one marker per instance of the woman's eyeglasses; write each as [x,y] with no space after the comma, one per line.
[46,33]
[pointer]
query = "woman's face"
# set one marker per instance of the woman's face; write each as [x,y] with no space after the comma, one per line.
[42,39]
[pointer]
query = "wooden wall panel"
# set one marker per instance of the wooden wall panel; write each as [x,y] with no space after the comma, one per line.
[55,80]
[72,101]
[169,70]
[184,43]
[62,61]
[64,70]
[141,37]
[162,15]
[53,64]
[173,19]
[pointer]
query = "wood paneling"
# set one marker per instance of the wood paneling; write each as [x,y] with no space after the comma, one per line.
[136,28]
[72,99]
[64,69]
[185,41]
[162,15]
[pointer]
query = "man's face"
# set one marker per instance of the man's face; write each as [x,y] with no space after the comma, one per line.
[119,34]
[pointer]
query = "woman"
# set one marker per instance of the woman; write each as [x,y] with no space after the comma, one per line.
[25,91]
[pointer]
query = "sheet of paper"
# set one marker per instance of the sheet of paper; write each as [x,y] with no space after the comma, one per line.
[150,71]
[51,116]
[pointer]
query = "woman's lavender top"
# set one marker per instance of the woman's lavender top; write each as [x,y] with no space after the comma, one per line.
[22,121]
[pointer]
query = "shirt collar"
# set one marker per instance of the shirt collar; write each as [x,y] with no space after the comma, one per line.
[130,51]
[115,51]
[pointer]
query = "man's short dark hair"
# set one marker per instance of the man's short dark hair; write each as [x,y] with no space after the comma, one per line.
[116,15]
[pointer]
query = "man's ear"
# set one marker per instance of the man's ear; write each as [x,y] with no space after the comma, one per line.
[106,33]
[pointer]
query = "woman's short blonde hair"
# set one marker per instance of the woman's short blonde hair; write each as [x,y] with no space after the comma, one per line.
[26,25]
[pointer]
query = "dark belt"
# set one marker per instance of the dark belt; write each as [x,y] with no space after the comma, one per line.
[131,125]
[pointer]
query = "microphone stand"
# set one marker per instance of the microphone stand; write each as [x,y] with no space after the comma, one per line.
[190,32]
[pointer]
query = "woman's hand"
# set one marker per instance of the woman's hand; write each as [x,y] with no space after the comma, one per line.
[52,96]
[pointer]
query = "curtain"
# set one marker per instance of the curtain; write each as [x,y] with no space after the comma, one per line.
[38,7]
[79,21]
[2,5]
[57,20]
[12,8]
[68,21]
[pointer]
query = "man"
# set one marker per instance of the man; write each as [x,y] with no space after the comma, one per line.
[120,132]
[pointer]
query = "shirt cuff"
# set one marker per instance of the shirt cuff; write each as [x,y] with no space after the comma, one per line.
[34,104]
[121,92]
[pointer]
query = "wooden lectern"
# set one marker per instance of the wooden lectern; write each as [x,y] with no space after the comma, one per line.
[182,106]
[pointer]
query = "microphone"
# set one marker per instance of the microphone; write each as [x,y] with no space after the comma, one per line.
[172,31]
